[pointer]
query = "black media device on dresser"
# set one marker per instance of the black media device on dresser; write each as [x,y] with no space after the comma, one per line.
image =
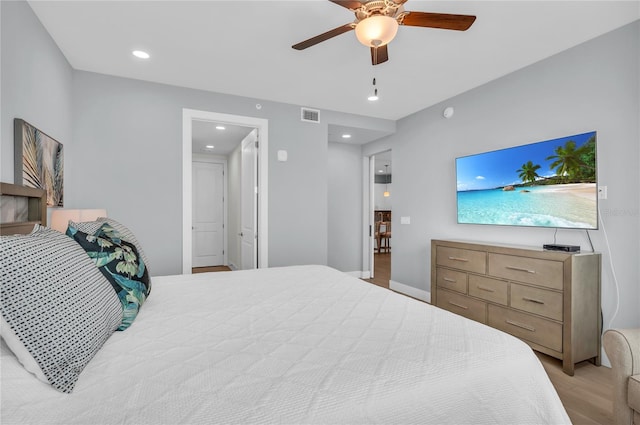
[549,299]
[560,247]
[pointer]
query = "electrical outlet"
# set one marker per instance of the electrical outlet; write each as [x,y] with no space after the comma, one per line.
[602,192]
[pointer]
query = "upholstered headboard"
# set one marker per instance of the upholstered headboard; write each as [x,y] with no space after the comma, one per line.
[21,208]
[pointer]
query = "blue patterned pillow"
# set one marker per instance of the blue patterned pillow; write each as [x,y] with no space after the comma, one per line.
[120,262]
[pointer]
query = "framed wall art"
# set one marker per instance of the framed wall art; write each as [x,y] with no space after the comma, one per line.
[39,161]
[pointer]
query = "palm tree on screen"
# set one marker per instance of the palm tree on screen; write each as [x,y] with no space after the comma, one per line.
[528,172]
[566,161]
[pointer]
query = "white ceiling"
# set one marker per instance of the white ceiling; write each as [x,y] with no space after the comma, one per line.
[244,47]
[205,133]
[382,159]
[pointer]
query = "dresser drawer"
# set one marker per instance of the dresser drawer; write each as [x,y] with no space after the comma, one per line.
[464,306]
[462,259]
[537,300]
[451,279]
[545,273]
[488,289]
[534,329]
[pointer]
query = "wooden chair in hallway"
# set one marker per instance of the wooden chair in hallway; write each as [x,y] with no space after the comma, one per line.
[377,235]
[385,236]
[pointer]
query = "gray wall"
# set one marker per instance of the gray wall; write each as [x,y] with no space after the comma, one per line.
[345,207]
[136,127]
[36,82]
[594,86]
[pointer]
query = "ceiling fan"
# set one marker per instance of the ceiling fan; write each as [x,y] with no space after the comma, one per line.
[377,22]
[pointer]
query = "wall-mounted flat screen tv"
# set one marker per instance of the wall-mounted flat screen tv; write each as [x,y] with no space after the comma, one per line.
[546,184]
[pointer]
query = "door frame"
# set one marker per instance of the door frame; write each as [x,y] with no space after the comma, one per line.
[217,159]
[368,223]
[189,115]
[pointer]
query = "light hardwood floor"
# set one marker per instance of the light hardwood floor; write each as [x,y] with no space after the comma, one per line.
[381,270]
[586,395]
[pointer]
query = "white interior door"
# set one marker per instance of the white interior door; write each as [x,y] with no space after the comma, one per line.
[248,202]
[208,214]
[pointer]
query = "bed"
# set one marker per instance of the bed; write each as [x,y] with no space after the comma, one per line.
[300,344]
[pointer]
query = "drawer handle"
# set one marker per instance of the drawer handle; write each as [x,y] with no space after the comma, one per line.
[448,279]
[533,300]
[458,259]
[484,288]
[459,305]
[521,325]
[520,269]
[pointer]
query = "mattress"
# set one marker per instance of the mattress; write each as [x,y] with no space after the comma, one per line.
[304,344]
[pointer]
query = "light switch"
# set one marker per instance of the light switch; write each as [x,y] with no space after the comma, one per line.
[405,220]
[282,156]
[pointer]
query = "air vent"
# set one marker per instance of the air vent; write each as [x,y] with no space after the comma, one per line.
[309,115]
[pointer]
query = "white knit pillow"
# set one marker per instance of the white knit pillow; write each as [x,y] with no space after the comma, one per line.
[56,303]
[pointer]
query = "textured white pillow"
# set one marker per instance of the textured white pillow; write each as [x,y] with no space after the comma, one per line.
[57,304]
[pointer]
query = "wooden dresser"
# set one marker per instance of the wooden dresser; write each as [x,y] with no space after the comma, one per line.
[549,299]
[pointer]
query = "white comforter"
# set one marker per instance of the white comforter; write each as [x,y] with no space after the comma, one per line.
[292,345]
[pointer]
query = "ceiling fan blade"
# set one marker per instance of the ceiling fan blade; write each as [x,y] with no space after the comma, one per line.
[379,55]
[438,20]
[349,4]
[322,37]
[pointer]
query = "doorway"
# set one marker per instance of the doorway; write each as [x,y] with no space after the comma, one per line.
[260,188]
[380,217]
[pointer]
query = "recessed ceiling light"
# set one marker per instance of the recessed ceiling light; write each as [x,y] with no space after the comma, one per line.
[141,54]
[220,127]
[373,98]
[209,146]
[346,136]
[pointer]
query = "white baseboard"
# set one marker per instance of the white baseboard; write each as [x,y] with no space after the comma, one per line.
[232,266]
[410,291]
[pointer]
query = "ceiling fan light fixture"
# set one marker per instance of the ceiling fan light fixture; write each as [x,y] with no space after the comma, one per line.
[377,30]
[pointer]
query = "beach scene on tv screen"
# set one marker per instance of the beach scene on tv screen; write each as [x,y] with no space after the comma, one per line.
[548,184]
